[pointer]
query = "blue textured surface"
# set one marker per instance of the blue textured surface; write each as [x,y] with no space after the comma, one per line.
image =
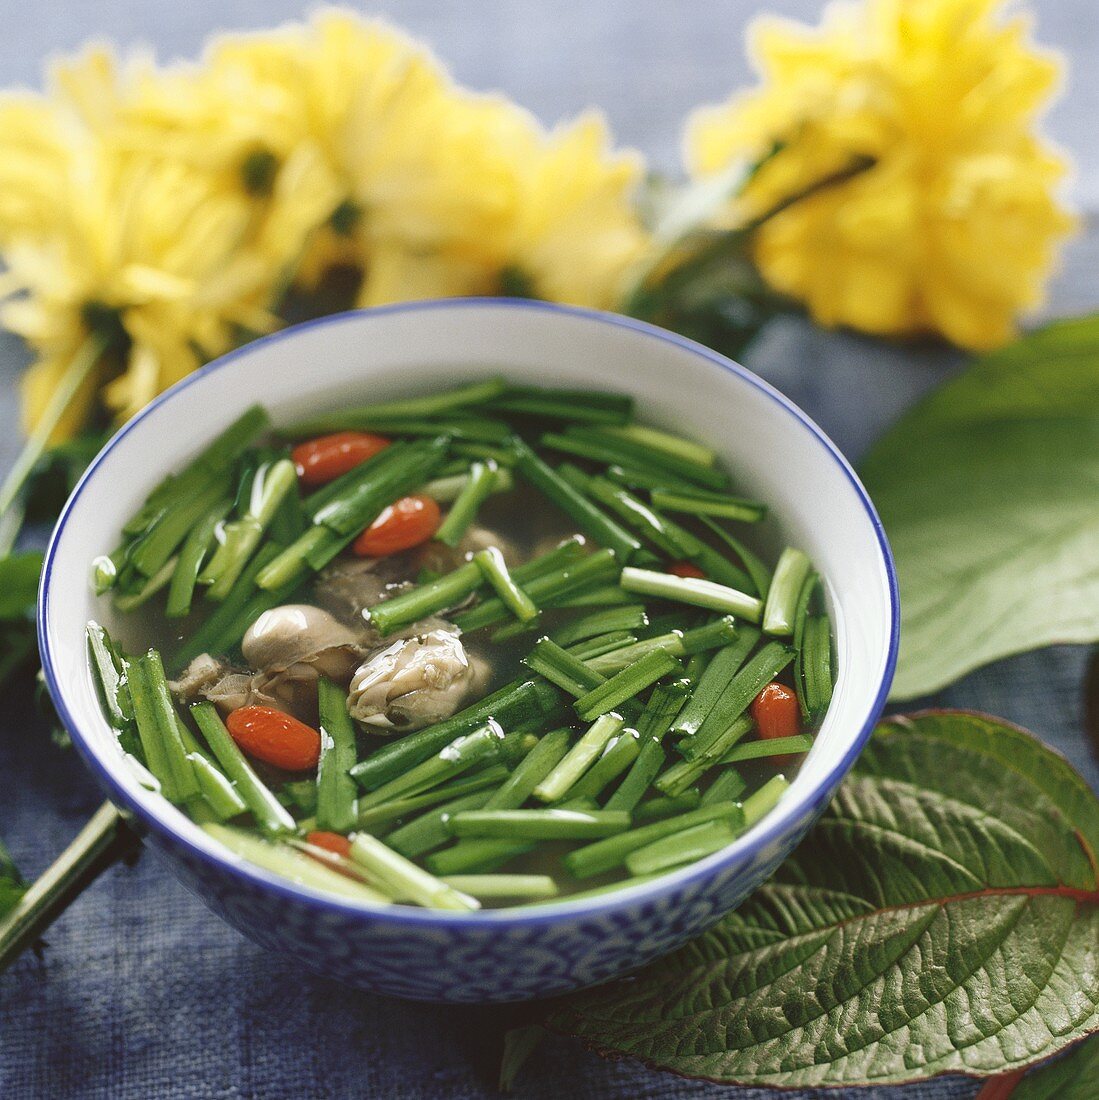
[142,993]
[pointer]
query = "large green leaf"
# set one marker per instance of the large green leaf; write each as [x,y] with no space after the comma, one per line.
[19,575]
[942,917]
[1074,1077]
[12,886]
[988,490]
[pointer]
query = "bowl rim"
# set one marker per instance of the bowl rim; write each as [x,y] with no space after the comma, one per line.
[756,839]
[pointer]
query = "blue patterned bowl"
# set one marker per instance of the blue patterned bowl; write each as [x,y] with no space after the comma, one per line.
[778,454]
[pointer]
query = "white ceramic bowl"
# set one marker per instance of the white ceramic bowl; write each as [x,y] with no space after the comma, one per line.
[777,454]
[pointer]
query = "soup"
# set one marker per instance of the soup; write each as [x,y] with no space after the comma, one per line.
[495,646]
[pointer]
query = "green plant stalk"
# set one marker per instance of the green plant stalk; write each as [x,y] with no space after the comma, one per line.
[656,809]
[215,458]
[405,879]
[150,586]
[756,569]
[150,550]
[548,824]
[337,809]
[761,750]
[639,778]
[455,586]
[578,759]
[617,757]
[714,681]
[291,564]
[108,670]
[817,665]
[491,563]
[590,519]
[271,486]
[626,684]
[544,589]
[492,776]
[676,643]
[492,887]
[480,484]
[764,800]
[664,704]
[160,741]
[468,448]
[382,483]
[287,861]
[561,668]
[270,815]
[515,702]
[605,855]
[459,755]
[76,374]
[790,573]
[437,404]
[664,536]
[658,440]
[753,677]
[447,488]
[686,847]
[476,856]
[600,595]
[801,613]
[690,590]
[597,647]
[626,617]
[517,628]
[370,487]
[467,428]
[701,744]
[518,787]
[220,795]
[427,599]
[195,546]
[103,841]
[530,771]
[635,478]
[738,508]
[686,773]
[430,829]
[561,404]
[591,444]
[727,787]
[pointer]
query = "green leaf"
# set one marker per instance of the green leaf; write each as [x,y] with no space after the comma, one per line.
[988,491]
[55,475]
[1073,1077]
[19,575]
[12,886]
[942,917]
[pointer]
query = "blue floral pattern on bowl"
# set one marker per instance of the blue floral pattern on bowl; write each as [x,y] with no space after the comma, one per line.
[477,961]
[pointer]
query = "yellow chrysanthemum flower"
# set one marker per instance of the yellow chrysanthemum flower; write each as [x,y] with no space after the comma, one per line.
[375,110]
[149,255]
[954,228]
[577,235]
[33,149]
[215,123]
[171,207]
[442,192]
[563,228]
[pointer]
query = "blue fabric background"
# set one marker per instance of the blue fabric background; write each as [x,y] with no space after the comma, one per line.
[143,994]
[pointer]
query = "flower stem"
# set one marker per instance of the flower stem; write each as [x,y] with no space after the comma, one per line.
[83,362]
[104,840]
